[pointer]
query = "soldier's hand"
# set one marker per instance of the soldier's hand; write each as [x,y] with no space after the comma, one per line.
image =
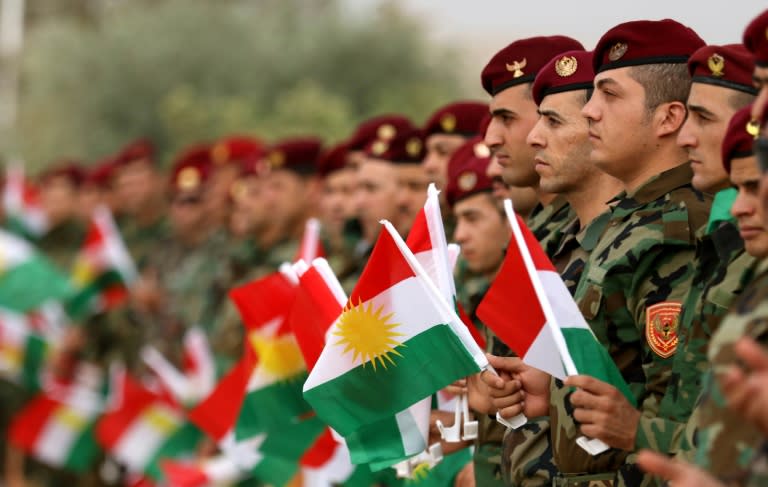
[457,388]
[604,412]
[534,385]
[478,395]
[466,476]
[747,391]
[680,474]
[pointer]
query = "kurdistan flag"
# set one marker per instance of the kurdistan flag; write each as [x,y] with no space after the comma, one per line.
[547,329]
[394,344]
[103,269]
[21,203]
[218,470]
[59,431]
[143,429]
[27,279]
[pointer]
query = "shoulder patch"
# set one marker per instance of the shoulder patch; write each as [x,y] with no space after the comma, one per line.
[662,321]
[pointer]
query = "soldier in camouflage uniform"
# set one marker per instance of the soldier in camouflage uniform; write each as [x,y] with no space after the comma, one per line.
[634,281]
[139,191]
[508,78]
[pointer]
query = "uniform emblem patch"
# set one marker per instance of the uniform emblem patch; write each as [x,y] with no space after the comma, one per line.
[661,327]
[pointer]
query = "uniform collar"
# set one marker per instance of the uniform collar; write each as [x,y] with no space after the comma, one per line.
[661,184]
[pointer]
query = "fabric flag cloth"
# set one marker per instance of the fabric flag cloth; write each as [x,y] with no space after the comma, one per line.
[311,246]
[144,429]
[24,343]
[198,378]
[58,431]
[721,208]
[103,269]
[394,344]
[27,279]
[21,203]
[218,470]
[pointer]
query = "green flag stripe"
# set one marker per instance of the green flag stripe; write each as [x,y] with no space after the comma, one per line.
[84,451]
[427,362]
[271,407]
[34,358]
[80,305]
[182,442]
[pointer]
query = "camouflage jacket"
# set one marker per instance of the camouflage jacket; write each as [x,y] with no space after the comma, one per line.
[575,246]
[631,292]
[62,243]
[723,268]
[143,241]
[758,468]
[725,442]
[548,223]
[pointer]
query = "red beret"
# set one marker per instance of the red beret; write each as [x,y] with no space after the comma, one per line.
[466,171]
[191,169]
[141,149]
[460,118]
[645,42]
[332,160]
[569,71]
[739,137]
[236,149]
[520,61]
[384,127]
[70,170]
[729,66]
[298,154]
[406,148]
[101,174]
[756,39]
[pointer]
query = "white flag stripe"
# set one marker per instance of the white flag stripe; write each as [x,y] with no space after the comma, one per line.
[114,248]
[13,250]
[141,439]
[442,274]
[334,471]
[61,431]
[549,315]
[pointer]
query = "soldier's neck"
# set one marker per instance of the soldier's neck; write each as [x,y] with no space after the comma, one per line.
[663,159]
[590,200]
[150,214]
[544,197]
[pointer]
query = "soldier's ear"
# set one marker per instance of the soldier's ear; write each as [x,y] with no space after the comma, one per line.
[669,118]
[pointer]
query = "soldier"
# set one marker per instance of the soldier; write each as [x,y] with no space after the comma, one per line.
[228,156]
[634,280]
[445,131]
[59,188]
[140,196]
[382,127]
[97,189]
[412,182]
[508,78]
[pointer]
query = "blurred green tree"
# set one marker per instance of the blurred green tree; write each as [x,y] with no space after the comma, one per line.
[182,71]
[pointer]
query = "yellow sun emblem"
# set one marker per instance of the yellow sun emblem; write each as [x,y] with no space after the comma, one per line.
[419,473]
[369,335]
[278,356]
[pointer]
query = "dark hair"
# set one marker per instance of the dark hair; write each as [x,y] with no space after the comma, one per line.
[663,83]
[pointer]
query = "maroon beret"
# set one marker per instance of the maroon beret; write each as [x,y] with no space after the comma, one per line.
[569,71]
[466,171]
[460,118]
[383,127]
[739,137]
[237,149]
[729,66]
[68,169]
[520,61]
[297,154]
[101,174]
[645,42]
[191,169]
[406,148]
[138,150]
[332,160]
[756,39]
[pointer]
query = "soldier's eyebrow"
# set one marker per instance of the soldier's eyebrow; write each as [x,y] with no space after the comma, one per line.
[700,109]
[503,112]
[548,112]
[605,81]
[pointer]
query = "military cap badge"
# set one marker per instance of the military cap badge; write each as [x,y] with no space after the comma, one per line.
[617,51]
[481,150]
[220,153]
[516,68]
[386,132]
[413,146]
[566,66]
[467,181]
[276,159]
[753,128]
[448,122]
[379,147]
[716,64]
[188,178]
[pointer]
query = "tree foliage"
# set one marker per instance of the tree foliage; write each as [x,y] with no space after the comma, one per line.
[182,71]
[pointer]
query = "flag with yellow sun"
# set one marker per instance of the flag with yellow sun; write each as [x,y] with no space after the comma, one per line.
[393,345]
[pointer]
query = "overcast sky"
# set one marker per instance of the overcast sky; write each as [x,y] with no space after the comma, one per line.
[482,27]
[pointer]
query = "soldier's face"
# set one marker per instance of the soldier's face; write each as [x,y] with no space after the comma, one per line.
[747,209]
[500,188]
[702,135]
[58,197]
[376,196]
[620,128]
[412,182]
[561,141]
[514,114]
[135,185]
[337,203]
[187,213]
[760,80]
[482,232]
[285,196]
[249,213]
[440,148]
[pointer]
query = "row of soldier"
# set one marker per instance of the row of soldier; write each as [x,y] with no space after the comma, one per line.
[635,166]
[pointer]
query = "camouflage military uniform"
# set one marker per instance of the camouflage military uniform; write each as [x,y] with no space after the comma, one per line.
[643,259]
[143,241]
[548,223]
[725,442]
[62,243]
[758,468]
